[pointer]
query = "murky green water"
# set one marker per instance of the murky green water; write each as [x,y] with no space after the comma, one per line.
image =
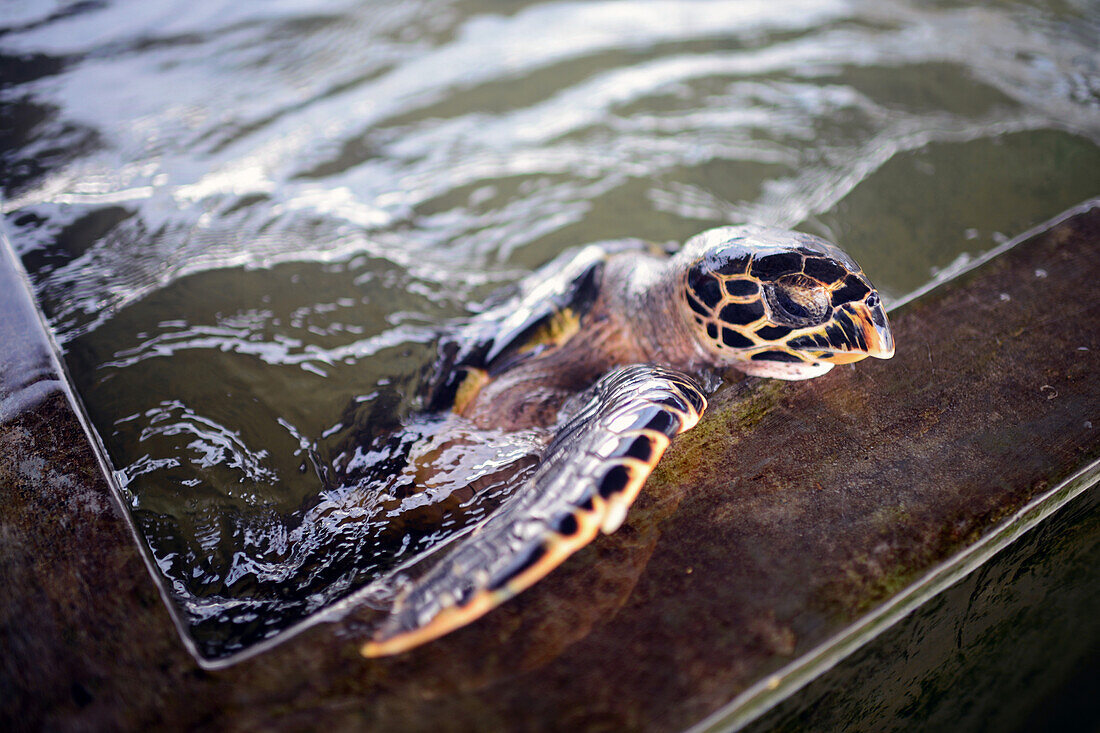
[247,221]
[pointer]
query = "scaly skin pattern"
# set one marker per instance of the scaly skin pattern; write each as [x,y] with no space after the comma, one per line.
[589,477]
[617,381]
[807,304]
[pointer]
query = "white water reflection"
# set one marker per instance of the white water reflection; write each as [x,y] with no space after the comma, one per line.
[168,154]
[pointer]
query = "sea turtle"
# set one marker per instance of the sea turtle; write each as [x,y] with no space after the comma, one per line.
[616,350]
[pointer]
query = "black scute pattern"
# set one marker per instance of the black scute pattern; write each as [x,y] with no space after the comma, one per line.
[640,448]
[772,333]
[698,307]
[727,263]
[853,289]
[824,270]
[566,526]
[705,286]
[782,356]
[735,340]
[838,339]
[742,313]
[776,266]
[809,341]
[742,288]
[614,481]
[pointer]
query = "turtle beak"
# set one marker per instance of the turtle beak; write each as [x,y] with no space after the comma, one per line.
[876,330]
[858,331]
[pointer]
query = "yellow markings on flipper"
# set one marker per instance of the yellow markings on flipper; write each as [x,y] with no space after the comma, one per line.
[555,549]
[558,329]
[619,502]
[598,478]
[475,379]
[445,621]
[638,470]
[691,419]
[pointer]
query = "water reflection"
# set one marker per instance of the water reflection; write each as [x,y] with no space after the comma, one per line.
[247,223]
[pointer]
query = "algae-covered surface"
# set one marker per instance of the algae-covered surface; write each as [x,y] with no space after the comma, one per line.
[1012,646]
[787,514]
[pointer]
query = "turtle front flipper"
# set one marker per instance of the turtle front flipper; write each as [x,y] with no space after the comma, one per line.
[589,476]
[545,312]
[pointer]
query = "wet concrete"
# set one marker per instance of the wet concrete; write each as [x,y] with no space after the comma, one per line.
[789,511]
[1012,647]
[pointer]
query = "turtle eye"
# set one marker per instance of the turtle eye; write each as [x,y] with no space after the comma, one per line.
[797,301]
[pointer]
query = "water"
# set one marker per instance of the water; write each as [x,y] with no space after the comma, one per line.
[247,222]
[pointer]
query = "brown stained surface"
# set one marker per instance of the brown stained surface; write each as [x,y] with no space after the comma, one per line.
[789,510]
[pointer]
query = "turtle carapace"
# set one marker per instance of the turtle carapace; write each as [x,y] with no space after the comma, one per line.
[613,350]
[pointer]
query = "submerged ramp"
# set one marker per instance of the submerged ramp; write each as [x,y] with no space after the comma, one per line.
[770,541]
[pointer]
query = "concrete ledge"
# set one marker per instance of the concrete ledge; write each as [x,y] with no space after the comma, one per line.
[788,513]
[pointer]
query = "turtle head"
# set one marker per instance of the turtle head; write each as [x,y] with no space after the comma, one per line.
[778,303]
